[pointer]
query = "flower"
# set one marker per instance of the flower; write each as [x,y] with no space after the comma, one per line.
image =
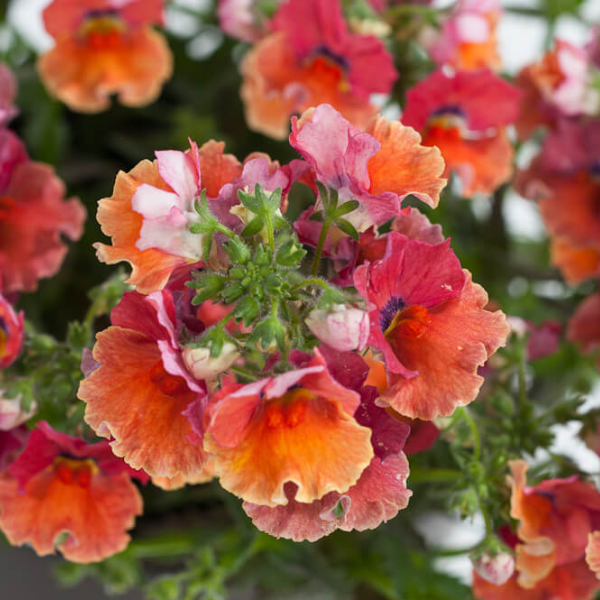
[104,47]
[126,225]
[379,167]
[465,115]
[584,325]
[468,38]
[309,59]
[342,328]
[59,484]
[241,19]
[11,336]
[378,495]
[258,435]
[33,218]
[141,389]
[428,320]
[555,518]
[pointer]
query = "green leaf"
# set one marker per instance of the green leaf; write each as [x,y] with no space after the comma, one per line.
[347,207]
[273,203]
[238,251]
[248,308]
[255,226]
[232,292]
[250,202]
[209,284]
[280,223]
[347,228]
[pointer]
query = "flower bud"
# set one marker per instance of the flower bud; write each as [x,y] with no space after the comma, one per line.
[203,366]
[342,328]
[496,569]
[12,412]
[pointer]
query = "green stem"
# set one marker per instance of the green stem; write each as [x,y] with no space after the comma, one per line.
[244,373]
[225,230]
[320,245]
[434,475]
[270,230]
[476,437]
[310,281]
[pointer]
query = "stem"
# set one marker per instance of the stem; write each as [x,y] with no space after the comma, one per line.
[243,373]
[310,281]
[270,230]
[320,245]
[225,230]
[476,437]
[434,475]
[489,530]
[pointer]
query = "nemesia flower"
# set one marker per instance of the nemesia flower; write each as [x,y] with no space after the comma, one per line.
[496,569]
[379,493]
[258,435]
[138,393]
[592,553]
[428,320]
[59,484]
[163,205]
[8,92]
[379,167]
[11,337]
[465,115]
[309,59]
[33,218]
[559,84]
[241,19]
[573,581]
[342,328]
[562,179]
[468,38]
[104,47]
[11,443]
[555,518]
[12,153]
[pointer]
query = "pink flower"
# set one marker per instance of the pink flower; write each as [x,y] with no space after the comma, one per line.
[168,214]
[12,412]
[357,164]
[496,569]
[342,328]
[241,19]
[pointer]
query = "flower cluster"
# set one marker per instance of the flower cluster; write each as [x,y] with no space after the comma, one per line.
[560,97]
[231,360]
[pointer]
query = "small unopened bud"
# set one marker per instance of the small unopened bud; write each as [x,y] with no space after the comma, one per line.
[342,328]
[13,413]
[496,569]
[203,366]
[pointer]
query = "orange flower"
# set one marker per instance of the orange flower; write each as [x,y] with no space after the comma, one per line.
[153,267]
[59,484]
[138,393]
[312,59]
[296,428]
[105,47]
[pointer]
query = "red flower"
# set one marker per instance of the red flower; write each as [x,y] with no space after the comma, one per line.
[59,484]
[465,116]
[428,320]
[33,217]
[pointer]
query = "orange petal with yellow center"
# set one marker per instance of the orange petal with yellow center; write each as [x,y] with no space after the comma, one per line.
[151,268]
[95,512]
[403,165]
[483,164]
[445,345]
[84,74]
[132,398]
[301,438]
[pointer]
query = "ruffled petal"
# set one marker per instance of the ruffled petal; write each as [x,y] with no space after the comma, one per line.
[133,399]
[94,515]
